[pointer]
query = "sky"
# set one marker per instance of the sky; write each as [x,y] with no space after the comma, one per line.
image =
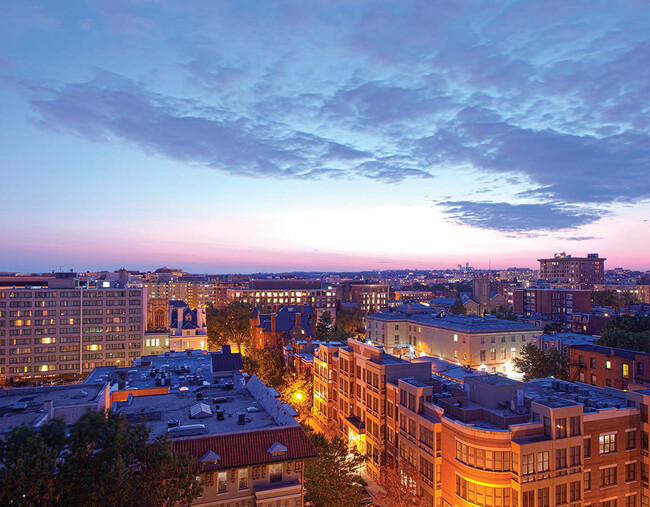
[267,135]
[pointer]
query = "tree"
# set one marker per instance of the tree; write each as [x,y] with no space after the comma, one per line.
[553,328]
[230,325]
[626,332]
[458,308]
[333,478]
[348,319]
[503,313]
[401,484]
[324,326]
[267,364]
[535,363]
[298,391]
[104,460]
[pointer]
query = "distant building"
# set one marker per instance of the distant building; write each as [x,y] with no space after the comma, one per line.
[578,272]
[68,328]
[274,294]
[563,341]
[484,343]
[371,298]
[555,304]
[276,329]
[188,328]
[157,314]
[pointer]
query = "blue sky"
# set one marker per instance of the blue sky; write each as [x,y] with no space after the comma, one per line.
[243,136]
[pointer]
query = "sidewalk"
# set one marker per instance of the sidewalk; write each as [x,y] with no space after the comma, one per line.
[377,493]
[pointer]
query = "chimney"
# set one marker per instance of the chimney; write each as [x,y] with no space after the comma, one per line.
[273,322]
[298,319]
[179,318]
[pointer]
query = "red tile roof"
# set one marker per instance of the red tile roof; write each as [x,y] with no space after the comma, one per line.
[247,448]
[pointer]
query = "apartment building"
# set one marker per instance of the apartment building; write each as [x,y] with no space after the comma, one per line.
[194,293]
[489,440]
[485,343]
[272,299]
[577,272]
[554,304]
[609,367]
[371,298]
[67,329]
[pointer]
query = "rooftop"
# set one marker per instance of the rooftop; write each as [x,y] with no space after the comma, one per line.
[609,351]
[467,323]
[28,405]
[219,409]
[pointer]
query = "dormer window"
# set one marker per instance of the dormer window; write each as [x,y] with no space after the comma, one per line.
[210,458]
[277,450]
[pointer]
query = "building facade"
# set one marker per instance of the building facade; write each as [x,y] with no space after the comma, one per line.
[609,367]
[490,440]
[578,272]
[556,305]
[485,343]
[67,330]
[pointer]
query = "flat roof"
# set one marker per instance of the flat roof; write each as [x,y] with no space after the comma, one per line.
[161,409]
[467,323]
[26,405]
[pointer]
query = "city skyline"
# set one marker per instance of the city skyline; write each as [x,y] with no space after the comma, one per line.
[280,136]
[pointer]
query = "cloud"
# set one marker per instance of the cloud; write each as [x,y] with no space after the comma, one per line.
[194,132]
[518,218]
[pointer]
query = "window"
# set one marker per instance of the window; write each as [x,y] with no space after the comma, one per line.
[275,473]
[574,491]
[543,461]
[574,456]
[587,447]
[630,501]
[593,379]
[560,428]
[527,464]
[608,365]
[543,497]
[607,443]
[630,472]
[574,423]
[547,427]
[608,476]
[222,482]
[528,499]
[243,478]
[626,370]
[592,362]
[630,440]
[560,494]
[560,458]
[587,481]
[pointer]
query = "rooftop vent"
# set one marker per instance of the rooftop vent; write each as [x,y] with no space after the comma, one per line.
[200,410]
[20,406]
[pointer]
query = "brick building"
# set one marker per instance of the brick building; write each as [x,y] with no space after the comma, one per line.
[489,440]
[577,272]
[277,329]
[556,304]
[609,367]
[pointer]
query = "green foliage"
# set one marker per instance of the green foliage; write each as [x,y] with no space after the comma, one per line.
[627,332]
[553,328]
[400,484]
[612,298]
[333,478]
[348,319]
[324,326]
[105,460]
[267,364]
[535,363]
[503,313]
[298,391]
[230,325]
[458,308]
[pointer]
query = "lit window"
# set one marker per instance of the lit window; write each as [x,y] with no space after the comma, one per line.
[608,365]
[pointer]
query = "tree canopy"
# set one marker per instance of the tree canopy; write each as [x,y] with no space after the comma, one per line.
[458,307]
[536,363]
[230,325]
[333,478]
[612,298]
[627,332]
[103,460]
[503,313]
